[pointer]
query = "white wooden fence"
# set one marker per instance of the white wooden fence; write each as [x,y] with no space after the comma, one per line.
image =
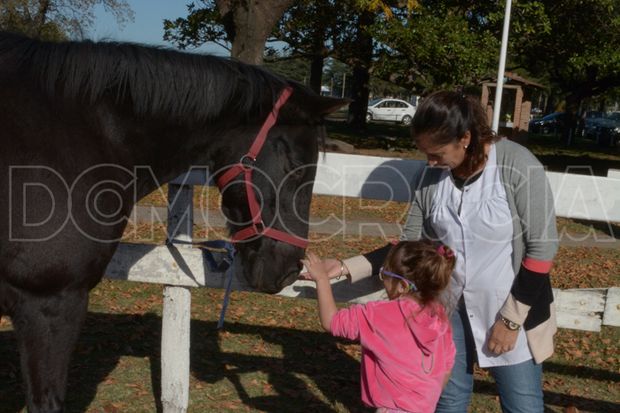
[179,267]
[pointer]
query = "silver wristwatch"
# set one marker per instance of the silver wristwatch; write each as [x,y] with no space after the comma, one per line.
[511,325]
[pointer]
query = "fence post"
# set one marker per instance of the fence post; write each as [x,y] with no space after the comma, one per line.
[175,340]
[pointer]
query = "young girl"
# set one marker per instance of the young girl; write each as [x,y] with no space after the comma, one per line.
[407,348]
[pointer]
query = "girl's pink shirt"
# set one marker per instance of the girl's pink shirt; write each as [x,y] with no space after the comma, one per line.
[407,352]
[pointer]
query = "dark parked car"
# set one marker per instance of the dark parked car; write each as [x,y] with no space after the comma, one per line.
[604,130]
[552,123]
[588,120]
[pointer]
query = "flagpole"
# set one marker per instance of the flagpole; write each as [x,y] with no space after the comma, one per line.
[502,68]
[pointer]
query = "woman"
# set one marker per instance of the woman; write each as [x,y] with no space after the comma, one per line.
[490,201]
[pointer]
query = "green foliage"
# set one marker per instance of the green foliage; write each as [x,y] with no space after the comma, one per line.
[570,45]
[385,7]
[15,17]
[576,48]
[57,19]
[202,25]
[427,45]
[296,69]
[308,26]
[335,75]
[427,50]
[528,22]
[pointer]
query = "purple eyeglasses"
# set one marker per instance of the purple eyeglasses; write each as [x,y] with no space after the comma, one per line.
[383,272]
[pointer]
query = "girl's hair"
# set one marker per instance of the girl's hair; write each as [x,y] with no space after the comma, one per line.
[444,117]
[428,264]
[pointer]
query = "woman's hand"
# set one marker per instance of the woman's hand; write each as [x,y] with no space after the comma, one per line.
[502,339]
[331,266]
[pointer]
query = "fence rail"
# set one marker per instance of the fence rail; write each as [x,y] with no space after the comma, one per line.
[179,267]
[182,266]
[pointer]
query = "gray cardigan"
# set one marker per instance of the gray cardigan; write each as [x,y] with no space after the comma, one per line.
[534,236]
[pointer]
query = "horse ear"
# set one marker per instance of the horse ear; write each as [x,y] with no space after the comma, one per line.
[325,105]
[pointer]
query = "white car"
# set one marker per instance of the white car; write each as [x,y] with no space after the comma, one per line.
[392,110]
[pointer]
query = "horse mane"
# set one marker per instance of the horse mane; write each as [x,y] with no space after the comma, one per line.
[153,80]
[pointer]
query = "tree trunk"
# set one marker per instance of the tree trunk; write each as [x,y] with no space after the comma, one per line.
[361,74]
[248,24]
[316,73]
[550,104]
[570,125]
[359,94]
[318,55]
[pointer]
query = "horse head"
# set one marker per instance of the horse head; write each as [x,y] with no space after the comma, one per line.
[266,194]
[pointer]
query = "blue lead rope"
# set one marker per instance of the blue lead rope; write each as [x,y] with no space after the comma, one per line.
[229,278]
[223,264]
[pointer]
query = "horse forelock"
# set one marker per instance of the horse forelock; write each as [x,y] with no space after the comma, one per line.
[152,80]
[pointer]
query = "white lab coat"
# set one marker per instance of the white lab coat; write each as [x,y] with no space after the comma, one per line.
[476,223]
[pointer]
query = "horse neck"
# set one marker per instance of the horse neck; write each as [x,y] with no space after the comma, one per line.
[162,150]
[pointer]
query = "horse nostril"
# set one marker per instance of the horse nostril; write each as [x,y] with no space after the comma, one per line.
[289,279]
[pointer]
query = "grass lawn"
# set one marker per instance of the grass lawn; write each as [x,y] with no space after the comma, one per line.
[272,355]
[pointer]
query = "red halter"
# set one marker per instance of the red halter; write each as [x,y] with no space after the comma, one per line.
[245,166]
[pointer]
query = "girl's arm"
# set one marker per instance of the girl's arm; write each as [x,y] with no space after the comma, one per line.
[327,304]
[318,271]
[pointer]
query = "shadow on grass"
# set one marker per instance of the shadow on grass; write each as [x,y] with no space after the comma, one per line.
[304,353]
[106,338]
[581,371]
[563,399]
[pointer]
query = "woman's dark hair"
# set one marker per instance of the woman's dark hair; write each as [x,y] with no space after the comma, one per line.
[444,117]
[428,264]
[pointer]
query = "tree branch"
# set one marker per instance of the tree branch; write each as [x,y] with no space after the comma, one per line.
[41,17]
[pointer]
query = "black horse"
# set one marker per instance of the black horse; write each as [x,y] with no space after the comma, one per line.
[89,128]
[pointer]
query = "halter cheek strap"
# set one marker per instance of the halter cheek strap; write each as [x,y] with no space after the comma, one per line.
[245,166]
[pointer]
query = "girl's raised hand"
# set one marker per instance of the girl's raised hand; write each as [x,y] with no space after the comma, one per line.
[333,267]
[315,267]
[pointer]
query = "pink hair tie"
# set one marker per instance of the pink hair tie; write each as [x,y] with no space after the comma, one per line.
[445,251]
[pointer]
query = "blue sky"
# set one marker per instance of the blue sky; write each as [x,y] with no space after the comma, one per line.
[147,26]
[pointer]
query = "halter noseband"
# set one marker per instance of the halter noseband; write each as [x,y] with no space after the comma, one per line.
[245,166]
